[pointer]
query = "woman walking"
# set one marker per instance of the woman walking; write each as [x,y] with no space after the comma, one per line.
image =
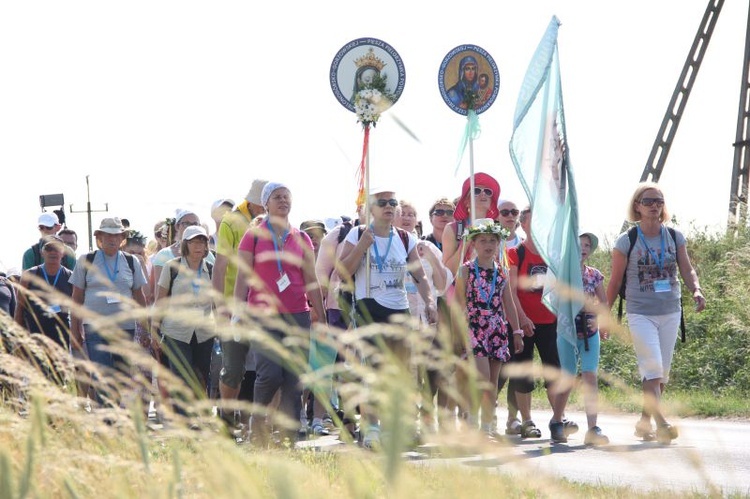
[649,257]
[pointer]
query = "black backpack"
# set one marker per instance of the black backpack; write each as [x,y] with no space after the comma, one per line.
[632,237]
[128,257]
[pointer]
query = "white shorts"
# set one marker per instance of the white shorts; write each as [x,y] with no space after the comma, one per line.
[654,338]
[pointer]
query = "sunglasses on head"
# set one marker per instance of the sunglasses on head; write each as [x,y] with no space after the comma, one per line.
[652,201]
[441,212]
[383,202]
[487,191]
[513,212]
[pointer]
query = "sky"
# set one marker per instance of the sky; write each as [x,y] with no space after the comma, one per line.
[167,105]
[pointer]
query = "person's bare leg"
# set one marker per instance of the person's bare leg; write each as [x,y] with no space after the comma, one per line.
[590,397]
[652,400]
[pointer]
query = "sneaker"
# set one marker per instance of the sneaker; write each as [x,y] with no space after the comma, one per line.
[569,426]
[595,437]
[318,428]
[557,432]
[513,427]
[372,438]
[644,430]
[328,422]
[665,433]
[529,430]
[488,429]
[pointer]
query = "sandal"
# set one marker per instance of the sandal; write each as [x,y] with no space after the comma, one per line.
[644,430]
[529,430]
[513,427]
[665,433]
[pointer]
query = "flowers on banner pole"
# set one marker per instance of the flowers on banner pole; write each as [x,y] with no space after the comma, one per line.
[487,226]
[373,100]
[470,100]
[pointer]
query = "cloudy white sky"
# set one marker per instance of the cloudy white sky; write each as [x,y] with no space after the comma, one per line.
[169,104]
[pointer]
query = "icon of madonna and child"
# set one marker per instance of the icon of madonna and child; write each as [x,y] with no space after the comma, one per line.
[470,82]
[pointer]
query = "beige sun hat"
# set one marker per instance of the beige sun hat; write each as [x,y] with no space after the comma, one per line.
[111,226]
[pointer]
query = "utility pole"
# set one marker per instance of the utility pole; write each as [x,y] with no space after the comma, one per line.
[88,210]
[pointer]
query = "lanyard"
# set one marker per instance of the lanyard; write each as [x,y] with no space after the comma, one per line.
[196,282]
[659,261]
[112,275]
[482,294]
[276,246]
[378,260]
[57,276]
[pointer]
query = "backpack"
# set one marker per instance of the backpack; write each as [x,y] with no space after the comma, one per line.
[174,270]
[128,257]
[344,230]
[632,237]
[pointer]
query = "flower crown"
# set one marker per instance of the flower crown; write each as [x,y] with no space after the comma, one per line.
[487,226]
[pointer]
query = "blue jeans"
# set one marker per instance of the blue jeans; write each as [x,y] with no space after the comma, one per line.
[96,345]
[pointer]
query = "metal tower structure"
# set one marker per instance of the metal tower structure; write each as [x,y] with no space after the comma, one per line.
[671,121]
[738,193]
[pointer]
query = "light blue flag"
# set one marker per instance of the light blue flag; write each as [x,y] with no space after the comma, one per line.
[539,150]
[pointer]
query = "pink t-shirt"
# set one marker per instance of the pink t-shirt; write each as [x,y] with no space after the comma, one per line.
[290,255]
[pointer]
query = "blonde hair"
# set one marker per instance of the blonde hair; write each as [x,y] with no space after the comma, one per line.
[405,203]
[633,215]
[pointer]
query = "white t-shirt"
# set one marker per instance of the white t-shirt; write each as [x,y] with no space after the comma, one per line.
[416,303]
[387,270]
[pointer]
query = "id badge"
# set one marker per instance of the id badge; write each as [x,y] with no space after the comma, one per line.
[662,286]
[283,282]
[113,299]
[55,309]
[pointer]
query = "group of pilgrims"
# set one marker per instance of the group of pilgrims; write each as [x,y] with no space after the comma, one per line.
[218,308]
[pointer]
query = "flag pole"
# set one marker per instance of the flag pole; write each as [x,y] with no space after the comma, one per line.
[471,196]
[471,181]
[367,212]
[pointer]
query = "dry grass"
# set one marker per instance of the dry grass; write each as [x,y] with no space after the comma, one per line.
[52,446]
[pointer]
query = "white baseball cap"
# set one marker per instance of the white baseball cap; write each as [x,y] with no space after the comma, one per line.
[48,219]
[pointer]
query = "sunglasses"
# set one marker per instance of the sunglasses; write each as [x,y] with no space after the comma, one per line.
[383,202]
[442,213]
[479,190]
[513,212]
[652,201]
[188,224]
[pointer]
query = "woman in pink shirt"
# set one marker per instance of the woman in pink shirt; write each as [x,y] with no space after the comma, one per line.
[276,278]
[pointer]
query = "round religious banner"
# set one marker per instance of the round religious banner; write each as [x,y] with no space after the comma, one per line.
[367,64]
[468,78]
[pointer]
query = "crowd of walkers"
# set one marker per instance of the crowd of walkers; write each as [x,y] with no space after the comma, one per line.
[255,309]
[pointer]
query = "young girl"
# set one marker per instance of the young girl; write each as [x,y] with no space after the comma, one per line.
[482,291]
[587,348]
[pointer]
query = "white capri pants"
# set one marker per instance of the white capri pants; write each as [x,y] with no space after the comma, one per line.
[654,338]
